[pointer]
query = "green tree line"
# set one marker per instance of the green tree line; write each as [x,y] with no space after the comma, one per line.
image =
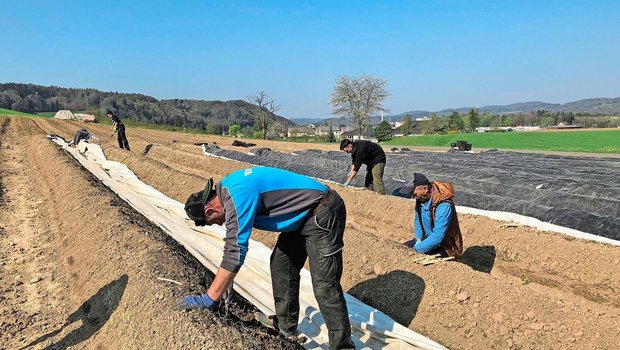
[468,122]
[211,116]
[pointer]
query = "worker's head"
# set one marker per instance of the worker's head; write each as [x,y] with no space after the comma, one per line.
[419,187]
[204,207]
[109,113]
[346,145]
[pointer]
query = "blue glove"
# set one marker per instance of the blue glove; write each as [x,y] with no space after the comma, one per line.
[346,183]
[195,302]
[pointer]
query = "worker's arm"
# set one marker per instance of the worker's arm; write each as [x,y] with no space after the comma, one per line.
[356,165]
[443,216]
[240,208]
[418,234]
[239,220]
[351,174]
[240,214]
[359,154]
[221,282]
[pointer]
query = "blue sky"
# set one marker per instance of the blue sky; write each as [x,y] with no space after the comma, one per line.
[434,54]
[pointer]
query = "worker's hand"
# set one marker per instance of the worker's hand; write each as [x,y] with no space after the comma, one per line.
[195,302]
[346,183]
[410,244]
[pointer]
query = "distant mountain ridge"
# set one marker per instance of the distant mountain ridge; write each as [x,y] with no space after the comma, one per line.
[601,105]
[591,105]
[306,121]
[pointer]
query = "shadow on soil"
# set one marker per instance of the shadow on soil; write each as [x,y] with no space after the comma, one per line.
[480,258]
[93,313]
[397,294]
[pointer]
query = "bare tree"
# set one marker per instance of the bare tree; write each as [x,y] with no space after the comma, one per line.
[263,114]
[357,98]
[278,128]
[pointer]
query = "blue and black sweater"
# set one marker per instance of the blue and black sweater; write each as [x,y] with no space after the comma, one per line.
[265,198]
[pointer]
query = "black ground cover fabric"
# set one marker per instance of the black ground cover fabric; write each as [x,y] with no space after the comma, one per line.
[582,193]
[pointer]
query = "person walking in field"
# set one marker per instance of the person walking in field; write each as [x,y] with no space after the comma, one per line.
[371,154]
[436,226]
[311,219]
[119,129]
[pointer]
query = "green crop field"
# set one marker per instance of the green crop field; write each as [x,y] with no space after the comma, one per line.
[594,141]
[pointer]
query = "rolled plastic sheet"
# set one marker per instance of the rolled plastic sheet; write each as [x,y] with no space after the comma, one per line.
[371,328]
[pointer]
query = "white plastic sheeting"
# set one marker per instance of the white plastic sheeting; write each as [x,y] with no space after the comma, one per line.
[504,216]
[372,329]
[533,222]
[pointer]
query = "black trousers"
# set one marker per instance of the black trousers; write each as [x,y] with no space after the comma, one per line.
[319,240]
[122,138]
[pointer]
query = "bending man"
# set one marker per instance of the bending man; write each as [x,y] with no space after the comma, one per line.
[436,226]
[311,219]
[371,154]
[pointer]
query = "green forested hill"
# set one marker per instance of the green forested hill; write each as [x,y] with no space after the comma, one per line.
[31,98]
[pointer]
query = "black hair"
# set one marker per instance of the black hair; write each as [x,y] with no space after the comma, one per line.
[344,143]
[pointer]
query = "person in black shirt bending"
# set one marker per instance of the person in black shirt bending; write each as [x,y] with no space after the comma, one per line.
[119,128]
[371,154]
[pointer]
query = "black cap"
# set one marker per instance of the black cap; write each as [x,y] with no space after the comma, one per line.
[418,179]
[194,206]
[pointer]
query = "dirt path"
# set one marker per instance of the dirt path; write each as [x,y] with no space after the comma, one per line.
[517,287]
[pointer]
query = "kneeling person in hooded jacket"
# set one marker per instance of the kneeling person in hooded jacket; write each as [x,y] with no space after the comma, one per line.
[436,226]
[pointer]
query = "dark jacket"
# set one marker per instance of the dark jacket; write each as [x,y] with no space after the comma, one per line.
[366,152]
[116,121]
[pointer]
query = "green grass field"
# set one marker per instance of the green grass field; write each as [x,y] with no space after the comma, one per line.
[4,111]
[11,112]
[593,141]
[46,114]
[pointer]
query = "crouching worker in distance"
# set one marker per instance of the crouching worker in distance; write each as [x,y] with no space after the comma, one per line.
[311,218]
[436,226]
[81,135]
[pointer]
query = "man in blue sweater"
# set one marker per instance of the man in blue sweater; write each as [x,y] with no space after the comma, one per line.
[311,218]
[436,226]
